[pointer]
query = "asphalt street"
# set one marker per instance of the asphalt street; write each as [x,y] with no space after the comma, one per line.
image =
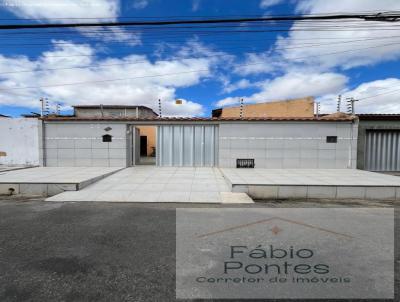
[88,251]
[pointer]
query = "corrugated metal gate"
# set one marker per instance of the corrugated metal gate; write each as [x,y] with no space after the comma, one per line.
[187,145]
[382,150]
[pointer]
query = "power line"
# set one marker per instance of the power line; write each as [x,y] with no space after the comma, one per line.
[189,16]
[367,17]
[372,96]
[180,41]
[134,62]
[168,74]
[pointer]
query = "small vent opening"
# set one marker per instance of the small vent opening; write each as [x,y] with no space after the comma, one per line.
[107,138]
[331,139]
[245,163]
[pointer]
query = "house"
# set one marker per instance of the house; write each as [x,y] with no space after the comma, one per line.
[113,111]
[111,136]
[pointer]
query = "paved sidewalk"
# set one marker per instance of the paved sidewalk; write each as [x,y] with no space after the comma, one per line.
[6,168]
[313,183]
[159,184]
[54,174]
[309,177]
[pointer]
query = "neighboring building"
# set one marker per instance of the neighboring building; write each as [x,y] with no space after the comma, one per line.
[379,142]
[272,142]
[303,107]
[105,111]
[19,141]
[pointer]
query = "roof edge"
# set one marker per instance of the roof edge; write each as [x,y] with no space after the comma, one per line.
[202,119]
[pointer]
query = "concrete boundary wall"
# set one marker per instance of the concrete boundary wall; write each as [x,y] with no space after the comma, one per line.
[289,145]
[19,141]
[81,145]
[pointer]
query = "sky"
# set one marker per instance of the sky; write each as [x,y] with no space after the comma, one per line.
[206,66]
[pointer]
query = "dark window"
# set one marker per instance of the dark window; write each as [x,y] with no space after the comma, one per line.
[107,138]
[331,139]
[245,163]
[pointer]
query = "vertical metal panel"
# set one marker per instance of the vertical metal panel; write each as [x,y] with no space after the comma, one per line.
[159,145]
[382,150]
[198,152]
[187,145]
[177,147]
[208,146]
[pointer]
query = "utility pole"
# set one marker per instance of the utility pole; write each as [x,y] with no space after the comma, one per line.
[317,108]
[41,106]
[339,103]
[44,107]
[241,108]
[57,108]
[350,105]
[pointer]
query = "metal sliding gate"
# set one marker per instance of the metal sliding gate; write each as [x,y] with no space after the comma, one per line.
[382,150]
[187,145]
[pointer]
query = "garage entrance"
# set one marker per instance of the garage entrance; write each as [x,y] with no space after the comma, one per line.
[187,145]
[382,150]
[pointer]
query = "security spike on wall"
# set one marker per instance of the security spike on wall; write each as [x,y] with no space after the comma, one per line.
[339,103]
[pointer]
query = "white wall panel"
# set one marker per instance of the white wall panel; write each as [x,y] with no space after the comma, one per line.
[19,139]
[288,145]
[81,145]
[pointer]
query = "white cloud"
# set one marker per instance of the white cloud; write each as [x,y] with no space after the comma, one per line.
[228,101]
[195,5]
[381,96]
[50,9]
[187,108]
[296,84]
[293,85]
[241,84]
[255,63]
[140,4]
[142,89]
[61,11]
[354,43]
[112,34]
[345,6]
[269,3]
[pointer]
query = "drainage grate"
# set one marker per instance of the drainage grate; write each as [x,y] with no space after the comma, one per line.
[245,163]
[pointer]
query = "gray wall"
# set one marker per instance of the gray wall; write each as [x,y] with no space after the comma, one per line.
[288,144]
[362,131]
[79,144]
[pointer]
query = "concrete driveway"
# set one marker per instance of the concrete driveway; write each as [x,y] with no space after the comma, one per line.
[159,184]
